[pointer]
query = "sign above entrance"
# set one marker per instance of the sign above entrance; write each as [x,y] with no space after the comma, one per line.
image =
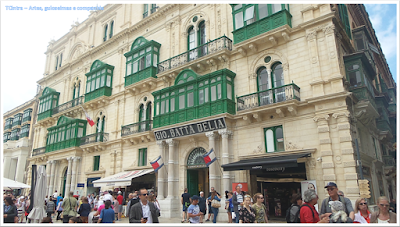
[191,129]
[80,185]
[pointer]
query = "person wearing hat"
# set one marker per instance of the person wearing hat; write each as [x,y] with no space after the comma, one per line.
[193,210]
[332,189]
[107,196]
[120,199]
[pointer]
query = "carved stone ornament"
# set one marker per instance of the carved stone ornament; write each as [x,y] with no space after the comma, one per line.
[291,146]
[259,149]
[311,35]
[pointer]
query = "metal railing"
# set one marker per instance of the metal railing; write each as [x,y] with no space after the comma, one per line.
[211,47]
[145,14]
[94,138]
[270,96]
[39,151]
[153,10]
[389,160]
[136,127]
[68,105]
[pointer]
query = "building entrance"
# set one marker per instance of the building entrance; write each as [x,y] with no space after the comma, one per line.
[63,182]
[197,172]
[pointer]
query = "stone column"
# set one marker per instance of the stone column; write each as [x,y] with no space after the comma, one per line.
[161,172]
[394,191]
[226,182]
[6,166]
[172,179]
[48,173]
[51,177]
[74,173]
[214,172]
[69,171]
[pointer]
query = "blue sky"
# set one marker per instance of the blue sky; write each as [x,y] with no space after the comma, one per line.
[384,20]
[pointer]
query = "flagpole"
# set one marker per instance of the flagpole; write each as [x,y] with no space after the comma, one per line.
[86,112]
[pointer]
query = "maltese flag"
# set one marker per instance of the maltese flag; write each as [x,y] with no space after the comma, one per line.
[91,122]
[157,164]
[209,158]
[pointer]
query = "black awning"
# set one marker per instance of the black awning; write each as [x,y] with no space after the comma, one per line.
[265,163]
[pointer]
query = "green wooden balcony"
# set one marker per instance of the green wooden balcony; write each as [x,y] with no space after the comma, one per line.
[75,142]
[138,127]
[25,119]
[38,151]
[9,126]
[24,134]
[389,161]
[261,26]
[267,97]
[141,75]
[16,123]
[196,112]
[94,138]
[362,93]
[103,91]
[68,105]
[44,114]
[221,43]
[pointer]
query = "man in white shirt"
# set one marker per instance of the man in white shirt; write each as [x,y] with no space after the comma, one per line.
[107,196]
[55,195]
[144,211]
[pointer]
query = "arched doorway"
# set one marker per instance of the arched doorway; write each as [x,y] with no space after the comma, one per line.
[197,172]
[64,181]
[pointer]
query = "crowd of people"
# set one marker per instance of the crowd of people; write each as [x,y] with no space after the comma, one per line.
[143,207]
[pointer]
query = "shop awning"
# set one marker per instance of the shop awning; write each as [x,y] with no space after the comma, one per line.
[121,179]
[265,163]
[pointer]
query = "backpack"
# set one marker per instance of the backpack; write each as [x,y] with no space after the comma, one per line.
[289,216]
[341,199]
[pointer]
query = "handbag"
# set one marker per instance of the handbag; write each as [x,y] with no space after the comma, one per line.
[215,203]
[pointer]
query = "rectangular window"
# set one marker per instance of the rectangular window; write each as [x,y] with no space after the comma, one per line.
[128,69]
[167,106]
[108,81]
[97,82]
[157,108]
[206,94]
[190,101]
[276,8]
[181,102]
[238,6]
[219,91]
[262,11]
[162,107]
[148,60]
[239,20]
[172,104]
[93,84]
[249,15]
[229,91]
[274,139]
[80,132]
[155,60]
[142,157]
[213,93]
[96,163]
[141,63]
[201,96]
[355,79]
[88,86]
[135,66]
[102,80]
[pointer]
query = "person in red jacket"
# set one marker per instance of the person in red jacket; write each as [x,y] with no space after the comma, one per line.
[308,214]
[120,198]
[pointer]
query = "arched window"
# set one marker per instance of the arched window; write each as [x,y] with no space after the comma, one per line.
[101,121]
[191,43]
[148,111]
[76,90]
[56,62]
[197,39]
[262,79]
[59,66]
[105,32]
[278,81]
[274,139]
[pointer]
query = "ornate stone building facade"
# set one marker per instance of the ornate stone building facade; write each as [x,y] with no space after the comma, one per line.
[282,93]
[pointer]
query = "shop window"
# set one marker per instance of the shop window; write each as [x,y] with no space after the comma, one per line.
[96,163]
[99,80]
[142,159]
[274,139]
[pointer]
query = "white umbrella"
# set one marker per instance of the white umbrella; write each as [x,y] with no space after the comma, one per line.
[12,184]
[38,212]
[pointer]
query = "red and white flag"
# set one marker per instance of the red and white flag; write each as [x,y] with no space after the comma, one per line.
[157,164]
[209,157]
[89,120]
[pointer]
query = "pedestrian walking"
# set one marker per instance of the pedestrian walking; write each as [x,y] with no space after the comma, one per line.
[9,211]
[21,208]
[237,200]
[362,214]
[84,209]
[130,196]
[332,189]
[50,207]
[107,215]
[120,199]
[215,204]
[209,203]
[383,216]
[247,213]
[193,210]
[185,201]
[308,214]
[69,207]
[116,206]
[228,201]
[202,206]
[152,198]
[59,209]
[144,211]
[96,203]
[293,212]
[260,209]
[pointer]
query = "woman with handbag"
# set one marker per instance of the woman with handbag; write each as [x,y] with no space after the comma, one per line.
[84,209]
[260,209]
[215,204]
[59,209]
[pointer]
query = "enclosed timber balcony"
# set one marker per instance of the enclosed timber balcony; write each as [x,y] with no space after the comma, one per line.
[209,48]
[94,138]
[38,151]
[267,97]
[136,128]
[68,105]
[389,161]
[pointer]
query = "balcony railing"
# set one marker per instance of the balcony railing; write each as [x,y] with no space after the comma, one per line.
[94,138]
[16,123]
[153,10]
[211,47]
[270,96]
[136,127]
[39,151]
[9,126]
[68,105]
[145,14]
[389,160]
[25,119]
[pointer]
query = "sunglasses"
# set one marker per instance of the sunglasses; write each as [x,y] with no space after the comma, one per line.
[261,197]
[330,189]
[145,194]
[384,205]
[362,204]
